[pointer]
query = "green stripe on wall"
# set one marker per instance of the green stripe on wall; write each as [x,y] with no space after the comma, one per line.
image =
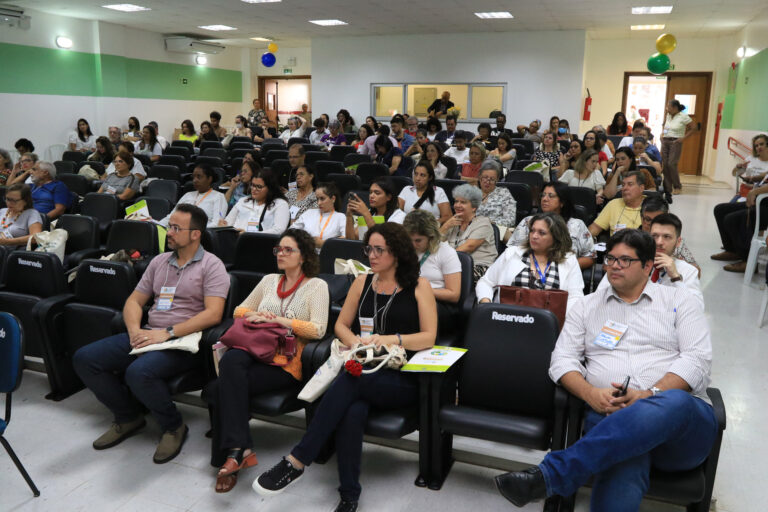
[747,108]
[35,70]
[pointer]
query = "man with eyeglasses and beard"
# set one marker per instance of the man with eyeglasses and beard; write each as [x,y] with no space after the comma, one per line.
[189,286]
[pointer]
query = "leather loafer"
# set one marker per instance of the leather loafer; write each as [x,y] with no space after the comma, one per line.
[522,487]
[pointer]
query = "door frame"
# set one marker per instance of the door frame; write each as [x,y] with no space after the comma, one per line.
[262,79]
[703,120]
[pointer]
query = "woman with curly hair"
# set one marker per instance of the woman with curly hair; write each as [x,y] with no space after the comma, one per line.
[391,306]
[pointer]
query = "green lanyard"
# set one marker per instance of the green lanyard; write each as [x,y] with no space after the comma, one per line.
[424,258]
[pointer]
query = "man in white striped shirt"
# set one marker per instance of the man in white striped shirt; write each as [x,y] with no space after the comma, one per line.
[659,338]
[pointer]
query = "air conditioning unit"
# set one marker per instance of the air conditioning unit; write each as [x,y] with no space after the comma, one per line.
[191,45]
[13,17]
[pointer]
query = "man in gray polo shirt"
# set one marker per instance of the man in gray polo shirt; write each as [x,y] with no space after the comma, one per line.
[189,286]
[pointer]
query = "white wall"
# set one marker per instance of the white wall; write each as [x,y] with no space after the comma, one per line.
[543,70]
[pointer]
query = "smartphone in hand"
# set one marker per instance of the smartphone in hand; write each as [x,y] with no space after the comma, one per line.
[623,390]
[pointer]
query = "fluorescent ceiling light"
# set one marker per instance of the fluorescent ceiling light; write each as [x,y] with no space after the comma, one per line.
[126,7]
[265,39]
[216,28]
[64,42]
[657,9]
[328,23]
[647,27]
[494,15]
[201,60]
[261,1]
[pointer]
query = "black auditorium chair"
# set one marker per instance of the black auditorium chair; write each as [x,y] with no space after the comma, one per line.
[220,153]
[177,160]
[64,167]
[508,348]
[223,244]
[296,140]
[311,147]
[165,172]
[80,185]
[240,139]
[363,195]
[369,171]
[275,154]
[240,145]
[96,166]
[450,163]
[345,182]
[281,169]
[254,258]
[181,151]
[338,153]
[165,189]
[210,144]
[312,157]
[400,182]
[521,193]
[82,240]
[533,179]
[690,489]
[325,167]
[586,198]
[73,156]
[528,144]
[521,164]
[235,164]
[184,144]
[238,153]
[271,144]
[144,159]
[134,235]
[104,207]
[356,158]
[338,284]
[213,161]
[159,207]
[448,186]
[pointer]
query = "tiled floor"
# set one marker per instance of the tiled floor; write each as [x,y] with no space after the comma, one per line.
[53,439]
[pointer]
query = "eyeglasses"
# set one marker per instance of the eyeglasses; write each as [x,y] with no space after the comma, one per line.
[26,160]
[175,228]
[623,261]
[258,187]
[549,196]
[11,200]
[282,249]
[378,251]
[489,179]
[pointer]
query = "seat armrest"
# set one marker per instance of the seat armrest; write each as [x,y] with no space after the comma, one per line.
[76,257]
[718,406]
[45,313]
[209,339]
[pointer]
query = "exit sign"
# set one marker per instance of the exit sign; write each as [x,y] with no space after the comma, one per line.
[287,71]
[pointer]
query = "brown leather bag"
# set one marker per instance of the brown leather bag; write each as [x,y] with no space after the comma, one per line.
[555,301]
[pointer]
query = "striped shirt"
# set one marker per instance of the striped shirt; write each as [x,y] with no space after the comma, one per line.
[667,333]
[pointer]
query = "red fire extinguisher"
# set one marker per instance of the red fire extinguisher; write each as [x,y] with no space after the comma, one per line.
[587,107]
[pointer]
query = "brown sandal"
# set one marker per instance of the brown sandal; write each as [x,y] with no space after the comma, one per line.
[231,465]
[225,483]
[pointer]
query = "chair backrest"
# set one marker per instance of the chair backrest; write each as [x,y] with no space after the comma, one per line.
[223,244]
[533,179]
[448,186]
[165,172]
[11,353]
[182,151]
[238,153]
[275,154]
[270,144]
[450,163]
[310,147]
[96,166]
[216,152]
[166,189]
[564,145]
[73,156]
[210,144]
[509,347]
[104,283]
[296,140]
[105,207]
[616,139]
[213,161]
[400,182]
[338,153]
[159,207]
[144,159]
[184,144]
[586,198]
[369,171]
[253,252]
[340,248]
[325,167]
[467,283]
[34,273]
[363,195]
[177,160]
[521,193]
[281,169]
[527,144]
[83,232]
[64,167]
[356,158]
[236,164]
[133,235]
[312,157]
[240,139]
[80,185]
[345,182]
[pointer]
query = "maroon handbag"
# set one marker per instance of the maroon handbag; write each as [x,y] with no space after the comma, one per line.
[263,340]
[555,301]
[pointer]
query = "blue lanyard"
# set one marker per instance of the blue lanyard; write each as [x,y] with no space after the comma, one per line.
[542,277]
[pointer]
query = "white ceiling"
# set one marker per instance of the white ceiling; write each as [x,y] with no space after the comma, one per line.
[287,21]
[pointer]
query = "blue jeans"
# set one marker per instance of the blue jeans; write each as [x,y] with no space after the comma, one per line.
[101,364]
[672,431]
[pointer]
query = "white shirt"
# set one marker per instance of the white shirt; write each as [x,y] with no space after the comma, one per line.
[409,195]
[246,213]
[755,167]
[315,136]
[461,156]
[595,181]
[625,142]
[322,225]
[162,141]
[440,264]
[213,203]
[288,134]
[607,151]
[90,142]
[137,169]
[146,150]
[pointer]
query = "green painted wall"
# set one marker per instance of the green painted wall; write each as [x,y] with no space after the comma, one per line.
[64,72]
[746,108]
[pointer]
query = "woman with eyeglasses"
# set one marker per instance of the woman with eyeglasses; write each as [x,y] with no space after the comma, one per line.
[297,300]
[6,166]
[211,201]
[471,170]
[239,186]
[121,183]
[497,204]
[592,140]
[549,150]
[19,220]
[424,194]
[326,221]
[382,207]
[391,306]
[555,200]
[302,198]
[22,171]
[568,159]
[265,211]
[543,262]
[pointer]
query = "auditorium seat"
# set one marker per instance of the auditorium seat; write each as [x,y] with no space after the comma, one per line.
[220,153]
[210,144]
[325,167]
[73,156]
[82,239]
[64,167]
[533,179]
[104,207]
[521,193]
[165,172]
[184,144]
[312,157]
[351,159]
[586,198]
[176,160]
[345,182]
[296,140]
[182,151]
[80,185]
[275,154]
[450,164]
[158,207]
[165,189]
[338,153]
[448,186]
[369,171]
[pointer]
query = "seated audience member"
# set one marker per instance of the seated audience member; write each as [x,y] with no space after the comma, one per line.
[104,153]
[264,131]
[664,420]
[619,125]
[256,114]
[296,128]
[20,220]
[639,147]
[586,173]
[468,232]
[347,124]
[439,265]
[240,185]
[149,144]
[470,171]
[296,157]
[368,148]
[543,262]
[504,152]
[755,167]
[121,183]
[531,132]
[22,171]
[207,133]
[211,201]
[295,299]
[49,196]
[334,137]
[6,167]
[363,134]
[241,128]
[326,221]
[382,208]
[219,130]
[199,284]
[432,154]
[318,133]
[424,194]
[24,146]
[114,135]
[409,319]
[459,152]
[568,159]
[652,208]
[638,130]
[416,150]
[440,106]
[301,197]
[450,131]
[564,131]
[497,204]
[372,122]
[137,169]
[622,212]
[133,134]
[554,125]
[501,122]
[484,136]
[404,140]
[651,148]
[412,126]
[623,164]
[549,151]
[324,116]
[556,200]
[82,139]
[433,126]
[391,156]
[160,139]
[188,131]
[607,145]
[265,211]
[592,141]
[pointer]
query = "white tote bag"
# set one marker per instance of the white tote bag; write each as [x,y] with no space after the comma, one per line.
[50,241]
[326,373]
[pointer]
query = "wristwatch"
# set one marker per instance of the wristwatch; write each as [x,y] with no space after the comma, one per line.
[676,279]
[170,331]
[654,390]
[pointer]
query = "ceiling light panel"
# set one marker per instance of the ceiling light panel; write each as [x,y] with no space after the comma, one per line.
[328,23]
[264,39]
[658,9]
[494,15]
[261,1]
[126,7]
[216,28]
[647,27]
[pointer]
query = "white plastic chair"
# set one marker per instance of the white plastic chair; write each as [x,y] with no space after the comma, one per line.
[756,244]
[763,308]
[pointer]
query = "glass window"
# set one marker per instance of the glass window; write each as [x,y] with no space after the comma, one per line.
[388,100]
[421,96]
[486,99]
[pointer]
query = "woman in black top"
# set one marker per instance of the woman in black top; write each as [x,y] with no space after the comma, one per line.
[405,314]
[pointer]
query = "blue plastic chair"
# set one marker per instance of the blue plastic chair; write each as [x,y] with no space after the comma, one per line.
[11,367]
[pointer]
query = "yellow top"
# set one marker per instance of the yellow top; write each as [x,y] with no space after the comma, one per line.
[190,138]
[617,216]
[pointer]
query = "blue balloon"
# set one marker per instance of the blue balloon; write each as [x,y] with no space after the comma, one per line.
[268,59]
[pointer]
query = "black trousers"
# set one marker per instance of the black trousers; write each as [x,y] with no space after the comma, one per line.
[736,224]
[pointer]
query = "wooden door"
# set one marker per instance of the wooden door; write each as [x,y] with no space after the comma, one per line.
[692,90]
[270,95]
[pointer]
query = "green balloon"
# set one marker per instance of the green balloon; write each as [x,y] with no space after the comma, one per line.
[658,63]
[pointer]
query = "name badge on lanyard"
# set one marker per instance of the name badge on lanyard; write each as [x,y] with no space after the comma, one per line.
[253,224]
[619,227]
[366,327]
[294,212]
[7,233]
[610,334]
[165,299]
[292,186]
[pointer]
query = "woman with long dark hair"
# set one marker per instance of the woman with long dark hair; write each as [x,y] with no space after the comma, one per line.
[326,221]
[382,207]
[619,125]
[424,194]
[265,211]
[149,144]
[82,139]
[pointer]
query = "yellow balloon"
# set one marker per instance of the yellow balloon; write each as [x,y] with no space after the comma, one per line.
[272,47]
[666,43]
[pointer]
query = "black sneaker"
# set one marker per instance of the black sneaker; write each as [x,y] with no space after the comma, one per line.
[275,480]
[346,506]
